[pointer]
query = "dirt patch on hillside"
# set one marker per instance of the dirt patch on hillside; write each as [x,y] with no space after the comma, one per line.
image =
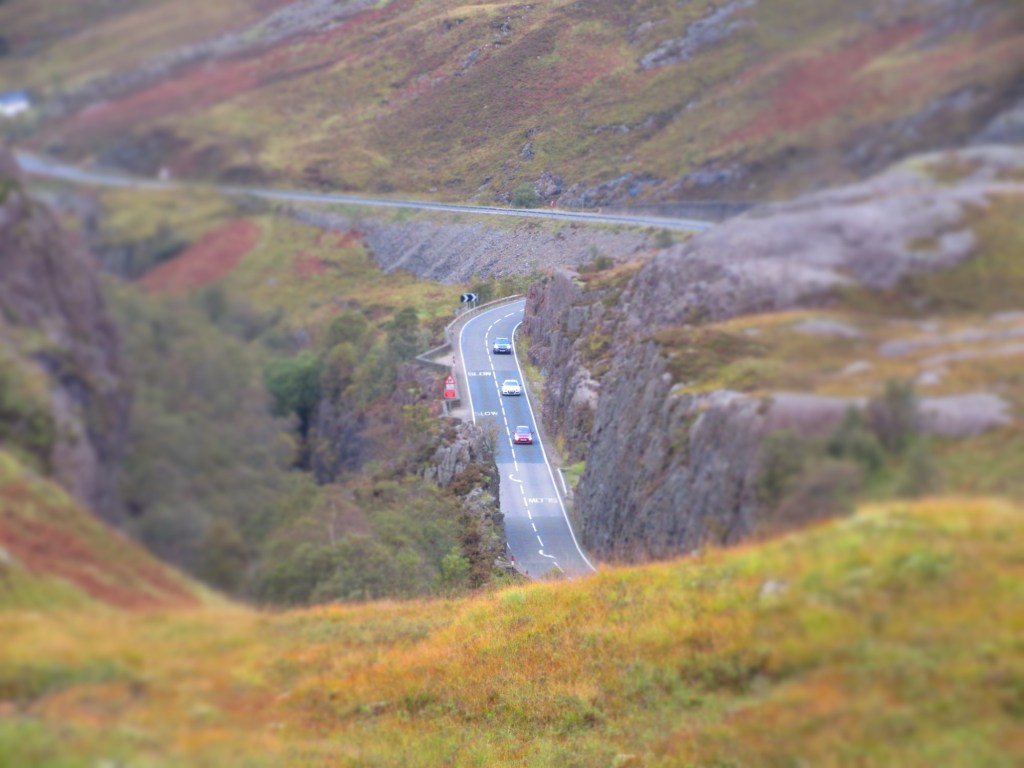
[195,90]
[341,238]
[54,550]
[307,265]
[210,259]
[820,87]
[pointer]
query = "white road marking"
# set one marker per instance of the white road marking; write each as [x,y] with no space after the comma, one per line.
[469,389]
[498,373]
[544,454]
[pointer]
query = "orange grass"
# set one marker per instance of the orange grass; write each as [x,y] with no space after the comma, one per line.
[891,638]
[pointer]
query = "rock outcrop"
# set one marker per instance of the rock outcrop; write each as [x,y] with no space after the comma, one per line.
[800,252]
[560,314]
[667,468]
[464,463]
[54,329]
[468,446]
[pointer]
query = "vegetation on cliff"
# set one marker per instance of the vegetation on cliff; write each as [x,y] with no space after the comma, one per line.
[280,434]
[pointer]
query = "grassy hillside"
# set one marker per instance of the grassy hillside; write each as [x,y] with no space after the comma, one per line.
[455,100]
[56,556]
[890,638]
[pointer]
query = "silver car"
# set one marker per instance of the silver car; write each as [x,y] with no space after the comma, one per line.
[510,387]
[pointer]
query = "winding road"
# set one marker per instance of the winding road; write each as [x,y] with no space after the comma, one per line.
[539,535]
[42,166]
[537,528]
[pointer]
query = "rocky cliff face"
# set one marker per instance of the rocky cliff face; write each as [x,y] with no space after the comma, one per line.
[671,466]
[560,314]
[64,396]
[457,252]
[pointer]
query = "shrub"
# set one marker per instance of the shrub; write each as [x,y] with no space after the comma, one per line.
[598,263]
[921,475]
[823,490]
[853,439]
[350,326]
[26,422]
[454,571]
[337,369]
[403,334]
[893,416]
[525,196]
[224,556]
[484,292]
[782,458]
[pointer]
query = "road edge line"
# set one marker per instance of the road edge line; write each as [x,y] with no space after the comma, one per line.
[543,453]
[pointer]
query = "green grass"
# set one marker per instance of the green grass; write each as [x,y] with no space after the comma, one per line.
[991,280]
[887,639]
[307,275]
[129,217]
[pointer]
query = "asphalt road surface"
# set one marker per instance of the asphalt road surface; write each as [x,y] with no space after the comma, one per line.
[43,166]
[539,534]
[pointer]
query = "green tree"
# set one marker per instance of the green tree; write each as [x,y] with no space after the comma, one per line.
[454,571]
[350,326]
[403,334]
[224,556]
[337,369]
[852,439]
[294,386]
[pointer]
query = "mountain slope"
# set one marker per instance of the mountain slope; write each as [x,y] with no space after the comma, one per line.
[595,103]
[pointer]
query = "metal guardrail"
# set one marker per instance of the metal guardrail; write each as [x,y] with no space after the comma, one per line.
[463,316]
[426,358]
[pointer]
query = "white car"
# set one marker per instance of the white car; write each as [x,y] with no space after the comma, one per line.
[511,387]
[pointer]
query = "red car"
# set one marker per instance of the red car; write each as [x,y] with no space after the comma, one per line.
[523,436]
